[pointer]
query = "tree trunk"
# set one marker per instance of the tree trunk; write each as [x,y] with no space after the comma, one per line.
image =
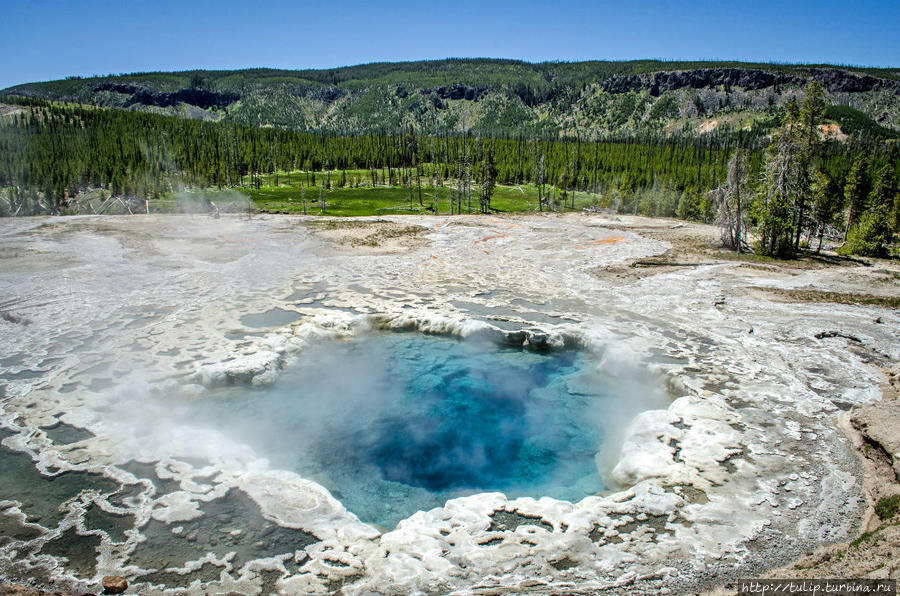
[850,216]
[419,184]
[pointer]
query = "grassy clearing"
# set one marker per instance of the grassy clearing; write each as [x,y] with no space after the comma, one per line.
[344,201]
[288,197]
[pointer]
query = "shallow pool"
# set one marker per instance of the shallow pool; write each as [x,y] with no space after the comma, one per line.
[393,423]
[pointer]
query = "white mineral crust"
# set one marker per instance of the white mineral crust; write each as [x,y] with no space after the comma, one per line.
[744,468]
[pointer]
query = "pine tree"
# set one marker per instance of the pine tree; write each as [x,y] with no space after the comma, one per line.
[812,110]
[875,231]
[828,204]
[782,184]
[856,189]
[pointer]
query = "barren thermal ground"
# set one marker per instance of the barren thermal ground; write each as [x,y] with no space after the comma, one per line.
[420,404]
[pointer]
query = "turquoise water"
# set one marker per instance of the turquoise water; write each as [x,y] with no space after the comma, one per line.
[397,422]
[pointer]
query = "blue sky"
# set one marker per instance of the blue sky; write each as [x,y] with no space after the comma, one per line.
[43,40]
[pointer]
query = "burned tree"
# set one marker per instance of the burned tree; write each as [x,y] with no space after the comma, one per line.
[488,180]
[731,200]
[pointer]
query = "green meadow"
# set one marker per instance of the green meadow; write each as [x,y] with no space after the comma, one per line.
[295,194]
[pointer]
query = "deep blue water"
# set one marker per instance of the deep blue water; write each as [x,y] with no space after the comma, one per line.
[397,422]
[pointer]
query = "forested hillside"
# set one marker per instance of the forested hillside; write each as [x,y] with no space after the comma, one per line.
[52,155]
[497,97]
[59,150]
[791,152]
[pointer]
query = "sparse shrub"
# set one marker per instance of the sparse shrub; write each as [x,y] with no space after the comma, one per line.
[887,507]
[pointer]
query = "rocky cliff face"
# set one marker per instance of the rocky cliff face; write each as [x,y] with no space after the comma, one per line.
[200,98]
[511,99]
[834,80]
[660,82]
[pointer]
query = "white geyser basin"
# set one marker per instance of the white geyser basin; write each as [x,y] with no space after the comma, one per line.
[233,405]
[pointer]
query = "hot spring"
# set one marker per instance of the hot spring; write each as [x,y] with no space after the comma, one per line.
[393,423]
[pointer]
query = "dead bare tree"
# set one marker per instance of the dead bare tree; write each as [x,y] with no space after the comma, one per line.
[459,188]
[730,200]
[539,180]
[468,182]
[434,179]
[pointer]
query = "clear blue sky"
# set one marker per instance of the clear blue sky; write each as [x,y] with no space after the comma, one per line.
[42,40]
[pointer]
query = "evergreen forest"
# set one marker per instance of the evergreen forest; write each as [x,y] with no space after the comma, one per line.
[795,185]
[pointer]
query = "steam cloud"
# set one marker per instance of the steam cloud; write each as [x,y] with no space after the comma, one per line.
[394,421]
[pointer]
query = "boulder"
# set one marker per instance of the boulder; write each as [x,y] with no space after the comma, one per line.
[114,584]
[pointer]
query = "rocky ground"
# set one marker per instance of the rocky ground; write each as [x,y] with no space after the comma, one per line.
[775,370]
[874,428]
[875,553]
[19,590]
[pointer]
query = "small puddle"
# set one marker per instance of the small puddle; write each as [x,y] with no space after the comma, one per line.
[276,317]
[66,434]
